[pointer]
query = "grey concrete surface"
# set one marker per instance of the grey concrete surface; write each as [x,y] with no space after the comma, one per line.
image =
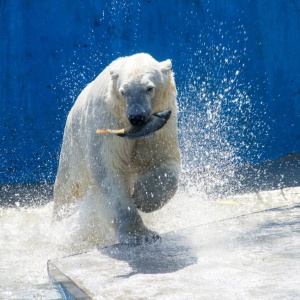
[249,250]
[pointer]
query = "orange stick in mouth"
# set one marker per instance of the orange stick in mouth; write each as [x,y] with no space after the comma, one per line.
[100,131]
[118,131]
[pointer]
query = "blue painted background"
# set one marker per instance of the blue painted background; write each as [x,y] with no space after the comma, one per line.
[237,68]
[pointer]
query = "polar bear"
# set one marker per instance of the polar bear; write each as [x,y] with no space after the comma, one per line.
[122,175]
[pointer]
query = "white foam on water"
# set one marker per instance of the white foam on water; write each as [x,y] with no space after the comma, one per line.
[26,244]
[28,239]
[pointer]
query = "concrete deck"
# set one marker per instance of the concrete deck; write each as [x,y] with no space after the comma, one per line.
[250,250]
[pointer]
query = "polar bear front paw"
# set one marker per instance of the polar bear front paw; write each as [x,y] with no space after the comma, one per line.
[146,237]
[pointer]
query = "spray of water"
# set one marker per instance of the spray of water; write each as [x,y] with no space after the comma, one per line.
[216,115]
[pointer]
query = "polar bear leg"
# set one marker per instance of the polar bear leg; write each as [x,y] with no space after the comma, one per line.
[119,212]
[67,190]
[154,189]
[130,228]
[71,182]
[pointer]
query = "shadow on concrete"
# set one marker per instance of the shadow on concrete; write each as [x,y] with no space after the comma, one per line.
[12,195]
[270,175]
[276,232]
[232,180]
[174,252]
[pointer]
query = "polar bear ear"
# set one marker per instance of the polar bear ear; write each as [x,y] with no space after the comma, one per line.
[113,74]
[165,66]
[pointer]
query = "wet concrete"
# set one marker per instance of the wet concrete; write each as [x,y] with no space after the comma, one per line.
[249,250]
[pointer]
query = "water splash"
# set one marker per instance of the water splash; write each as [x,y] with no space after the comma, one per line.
[216,116]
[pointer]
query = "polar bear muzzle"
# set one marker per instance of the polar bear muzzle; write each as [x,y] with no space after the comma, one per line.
[138,107]
[156,122]
[138,115]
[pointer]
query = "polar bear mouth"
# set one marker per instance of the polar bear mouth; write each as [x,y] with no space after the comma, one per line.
[156,121]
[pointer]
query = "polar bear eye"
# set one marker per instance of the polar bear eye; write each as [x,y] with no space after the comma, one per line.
[122,93]
[150,89]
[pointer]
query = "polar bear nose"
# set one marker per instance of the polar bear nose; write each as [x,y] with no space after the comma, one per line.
[137,119]
[138,115]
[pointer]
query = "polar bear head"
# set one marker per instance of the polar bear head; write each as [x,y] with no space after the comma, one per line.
[139,81]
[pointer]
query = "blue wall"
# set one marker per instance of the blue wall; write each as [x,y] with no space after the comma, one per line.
[236,65]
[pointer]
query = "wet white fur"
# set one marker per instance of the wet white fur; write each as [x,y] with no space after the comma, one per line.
[114,169]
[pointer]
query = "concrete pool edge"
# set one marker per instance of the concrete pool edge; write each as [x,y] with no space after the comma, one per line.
[68,288]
